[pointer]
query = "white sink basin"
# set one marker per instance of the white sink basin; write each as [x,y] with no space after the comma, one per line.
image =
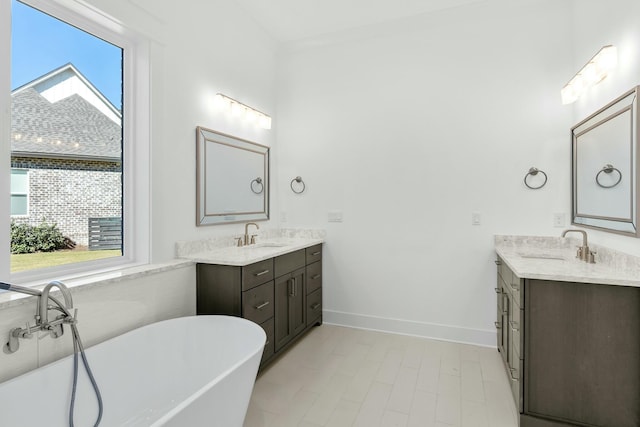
[266,245]
[556,257]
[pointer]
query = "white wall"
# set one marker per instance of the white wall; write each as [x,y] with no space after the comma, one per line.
[598,24]
[407,129]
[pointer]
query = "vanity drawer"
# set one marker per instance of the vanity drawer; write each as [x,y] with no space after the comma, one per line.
[313,253]
[314,276]
[314,307]
[515,379]
[257,303]
[515,328]
[268,345]
[288,262]
[503,269]
[257,274]
[515,288]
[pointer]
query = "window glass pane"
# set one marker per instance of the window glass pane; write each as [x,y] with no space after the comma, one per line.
[18,205]
[19,181]
[66,137]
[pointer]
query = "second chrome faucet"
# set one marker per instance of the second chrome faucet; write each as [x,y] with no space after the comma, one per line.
[583,253]
[249,240]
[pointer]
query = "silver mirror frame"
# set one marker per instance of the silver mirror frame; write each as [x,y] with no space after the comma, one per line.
[625,225]
[205,136]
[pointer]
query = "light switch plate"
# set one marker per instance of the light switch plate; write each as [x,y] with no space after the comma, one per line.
[334,216]
[476,218]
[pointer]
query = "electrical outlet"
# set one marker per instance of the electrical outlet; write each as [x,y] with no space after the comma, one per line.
[559,220]
[476,218]
[283,217]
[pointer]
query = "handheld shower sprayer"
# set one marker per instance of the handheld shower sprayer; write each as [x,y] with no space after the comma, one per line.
[19,289]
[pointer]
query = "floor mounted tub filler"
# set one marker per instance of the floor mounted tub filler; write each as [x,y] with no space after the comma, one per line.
[184,372]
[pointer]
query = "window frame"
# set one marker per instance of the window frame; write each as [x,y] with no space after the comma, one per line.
[136,127]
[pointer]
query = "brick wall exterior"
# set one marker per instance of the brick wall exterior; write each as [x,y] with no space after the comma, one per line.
[68,192]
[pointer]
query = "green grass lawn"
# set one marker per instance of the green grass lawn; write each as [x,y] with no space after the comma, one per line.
[22,262]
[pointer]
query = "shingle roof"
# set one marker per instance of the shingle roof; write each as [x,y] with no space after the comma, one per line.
[70,127]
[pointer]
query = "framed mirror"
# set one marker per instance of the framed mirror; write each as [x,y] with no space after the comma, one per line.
[232,179]
[604,167]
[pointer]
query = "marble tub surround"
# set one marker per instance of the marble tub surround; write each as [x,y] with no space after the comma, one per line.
[269,244]
[95,280]
[553,258]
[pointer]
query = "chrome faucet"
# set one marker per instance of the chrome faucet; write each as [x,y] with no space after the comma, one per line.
[249,240]
[583,252]
[43,311]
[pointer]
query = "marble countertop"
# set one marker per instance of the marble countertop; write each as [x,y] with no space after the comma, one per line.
[553,258]
[241,256]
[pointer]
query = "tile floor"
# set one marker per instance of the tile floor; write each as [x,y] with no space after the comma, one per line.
[337,376]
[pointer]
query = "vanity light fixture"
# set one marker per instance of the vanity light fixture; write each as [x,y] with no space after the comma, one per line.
[240,110]
[591,74]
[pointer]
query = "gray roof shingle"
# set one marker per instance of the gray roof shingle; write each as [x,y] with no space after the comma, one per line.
[71,127]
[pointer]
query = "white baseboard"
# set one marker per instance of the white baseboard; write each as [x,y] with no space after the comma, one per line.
[458,334]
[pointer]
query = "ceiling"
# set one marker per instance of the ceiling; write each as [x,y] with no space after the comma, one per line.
[293,20]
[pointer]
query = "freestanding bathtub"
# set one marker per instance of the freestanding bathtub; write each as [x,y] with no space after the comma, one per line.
[185,372]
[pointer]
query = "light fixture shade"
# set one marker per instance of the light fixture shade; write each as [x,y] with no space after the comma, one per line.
[591,74]
[242,111]
[265,122]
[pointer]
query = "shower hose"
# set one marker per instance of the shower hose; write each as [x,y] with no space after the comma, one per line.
[78,348]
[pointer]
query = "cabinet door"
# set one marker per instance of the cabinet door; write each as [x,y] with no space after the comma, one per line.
[297,307]
[290,309]
[283,292]
[499,314]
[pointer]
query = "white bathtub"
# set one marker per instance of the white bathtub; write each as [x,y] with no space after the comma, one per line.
[185,372]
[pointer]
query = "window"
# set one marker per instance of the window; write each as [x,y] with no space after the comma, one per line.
[19,192]
[74,116]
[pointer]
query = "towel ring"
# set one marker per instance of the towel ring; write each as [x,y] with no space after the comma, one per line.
[257,181]
[608,168]
[299,180]
[534,171]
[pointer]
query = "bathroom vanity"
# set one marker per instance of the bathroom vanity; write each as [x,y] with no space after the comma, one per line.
[277,285]
[569,335]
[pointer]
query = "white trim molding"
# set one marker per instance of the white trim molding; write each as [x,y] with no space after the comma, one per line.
[481,337]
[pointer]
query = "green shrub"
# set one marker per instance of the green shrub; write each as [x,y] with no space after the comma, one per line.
[26,239]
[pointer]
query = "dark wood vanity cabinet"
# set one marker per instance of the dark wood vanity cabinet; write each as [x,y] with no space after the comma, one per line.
[281,294]
[577,347]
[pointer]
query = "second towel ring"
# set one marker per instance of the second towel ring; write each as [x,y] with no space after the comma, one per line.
[299,180]
[608,168]
[534,171]
[257,181]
